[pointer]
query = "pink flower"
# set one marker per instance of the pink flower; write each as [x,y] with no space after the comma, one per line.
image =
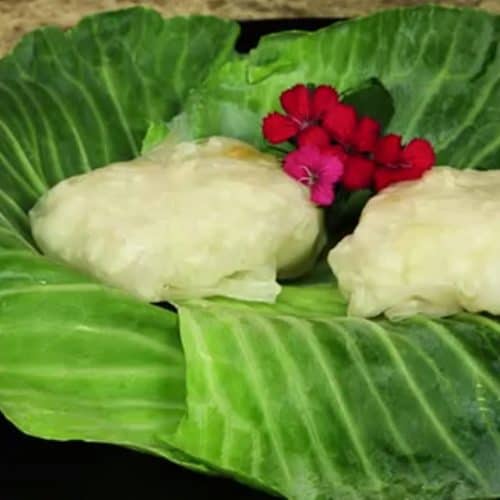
[319,170]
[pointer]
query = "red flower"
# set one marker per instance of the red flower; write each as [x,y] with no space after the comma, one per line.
[354,134]
[304,108]
[335,150]
[358,173]
[322,128]
[317,169]
[278,128]
[398,163]
[297,102]
[315,135]
[323,98]
[365,135]
[388,150]
[358,137]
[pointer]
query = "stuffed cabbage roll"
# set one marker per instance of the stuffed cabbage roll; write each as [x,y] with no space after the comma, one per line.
[193,219]
[429,246]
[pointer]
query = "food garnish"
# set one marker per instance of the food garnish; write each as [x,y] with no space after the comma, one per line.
[317,117]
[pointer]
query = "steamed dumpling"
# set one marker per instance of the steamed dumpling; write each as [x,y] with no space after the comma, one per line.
[214,217]
[429,246]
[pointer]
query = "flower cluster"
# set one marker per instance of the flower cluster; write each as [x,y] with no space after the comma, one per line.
[334,145]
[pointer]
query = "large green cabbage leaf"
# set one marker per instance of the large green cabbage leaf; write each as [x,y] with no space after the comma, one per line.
[79,360]
[441,67]
[294,398]
[316,405]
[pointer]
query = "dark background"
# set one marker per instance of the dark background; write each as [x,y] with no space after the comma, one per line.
[35,469]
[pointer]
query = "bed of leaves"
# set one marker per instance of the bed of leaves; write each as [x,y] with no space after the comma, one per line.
[295,398]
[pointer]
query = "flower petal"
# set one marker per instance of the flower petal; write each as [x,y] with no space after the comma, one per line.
[297,102]
[358,173]
[388,150]
[302,162]
[293,166]
[419,154]
[277,128]
[340,122]
[322,193]
[324,97]
[310,154]
[331,169]
[314,134]
[335,150]
[365,135]
[385,176]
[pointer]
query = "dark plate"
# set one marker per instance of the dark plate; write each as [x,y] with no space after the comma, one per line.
[44,470]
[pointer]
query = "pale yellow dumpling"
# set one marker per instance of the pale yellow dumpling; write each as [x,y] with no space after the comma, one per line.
[429,246]
[213,217]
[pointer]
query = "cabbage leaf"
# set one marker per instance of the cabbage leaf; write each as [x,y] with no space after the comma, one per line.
[79,360]
[440,66]
[312,404]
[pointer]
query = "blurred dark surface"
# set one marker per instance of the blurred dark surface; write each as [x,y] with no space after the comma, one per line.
[251,31]
[36,469]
